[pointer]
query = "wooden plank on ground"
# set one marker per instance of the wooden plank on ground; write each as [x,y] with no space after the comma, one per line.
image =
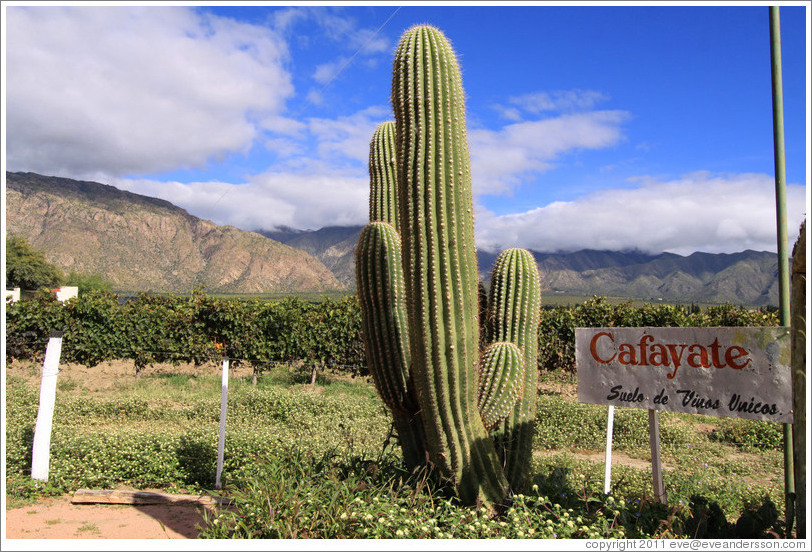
[119,496]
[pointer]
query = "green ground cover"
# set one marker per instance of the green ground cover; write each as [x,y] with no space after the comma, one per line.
[297,455]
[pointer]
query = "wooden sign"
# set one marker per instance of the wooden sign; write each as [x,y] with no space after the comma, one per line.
[741,372]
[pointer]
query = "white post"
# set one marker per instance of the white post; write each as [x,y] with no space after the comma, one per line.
[222,441]
[607,474]
[41,454]
[656,461]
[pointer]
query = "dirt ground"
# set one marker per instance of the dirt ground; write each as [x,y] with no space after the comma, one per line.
[57,518]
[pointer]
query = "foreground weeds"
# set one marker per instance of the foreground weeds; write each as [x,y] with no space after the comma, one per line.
[320,461]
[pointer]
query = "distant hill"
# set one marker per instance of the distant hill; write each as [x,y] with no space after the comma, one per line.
[748,278]
[332,245]
[145,244]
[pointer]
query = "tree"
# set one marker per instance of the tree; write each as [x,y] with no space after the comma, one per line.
[88,282]
[27,268]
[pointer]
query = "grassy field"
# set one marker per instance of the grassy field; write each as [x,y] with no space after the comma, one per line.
[320,461]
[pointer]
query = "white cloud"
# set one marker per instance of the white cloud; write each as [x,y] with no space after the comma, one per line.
[302,192]
[315,97]
[325,72]
[284,126]
[500,158]
[285,19]
[307,200]
[120,90]
[371,43]
[698,212]
[316,199]
[283,147]
[509,113]
[560,100]
[347,138]
[342,29]
[331,186]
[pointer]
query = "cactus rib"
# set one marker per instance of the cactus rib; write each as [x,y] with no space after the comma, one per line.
[501,380]
[383,175]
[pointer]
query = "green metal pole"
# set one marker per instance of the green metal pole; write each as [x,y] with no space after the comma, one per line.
[781,221]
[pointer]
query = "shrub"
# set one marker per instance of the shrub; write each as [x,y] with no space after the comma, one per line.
[750,434]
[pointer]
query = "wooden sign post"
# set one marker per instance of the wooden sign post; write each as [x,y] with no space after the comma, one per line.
[656,458]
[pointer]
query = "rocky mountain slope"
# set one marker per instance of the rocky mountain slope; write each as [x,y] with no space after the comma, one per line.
[146,244]
[749,277]
[332,245]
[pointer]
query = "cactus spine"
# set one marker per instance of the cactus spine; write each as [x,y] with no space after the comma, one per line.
[459,394]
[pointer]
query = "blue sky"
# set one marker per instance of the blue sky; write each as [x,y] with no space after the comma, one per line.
[590,126]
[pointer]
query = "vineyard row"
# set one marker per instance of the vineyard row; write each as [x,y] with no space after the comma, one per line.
[197,328]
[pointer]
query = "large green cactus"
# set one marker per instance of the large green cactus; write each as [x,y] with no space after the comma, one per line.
[460,392]
[437,233]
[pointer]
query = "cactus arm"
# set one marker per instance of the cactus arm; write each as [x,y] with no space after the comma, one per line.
[381,293]
[383,175]
[380,287]
[515,300]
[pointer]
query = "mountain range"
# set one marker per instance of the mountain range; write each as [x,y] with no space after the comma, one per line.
[748,277]
[141,243]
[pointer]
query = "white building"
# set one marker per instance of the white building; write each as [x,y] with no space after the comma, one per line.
[66,292]
[62,293]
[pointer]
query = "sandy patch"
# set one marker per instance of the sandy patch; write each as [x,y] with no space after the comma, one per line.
[57,518]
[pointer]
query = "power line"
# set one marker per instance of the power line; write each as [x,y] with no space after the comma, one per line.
[346,63]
